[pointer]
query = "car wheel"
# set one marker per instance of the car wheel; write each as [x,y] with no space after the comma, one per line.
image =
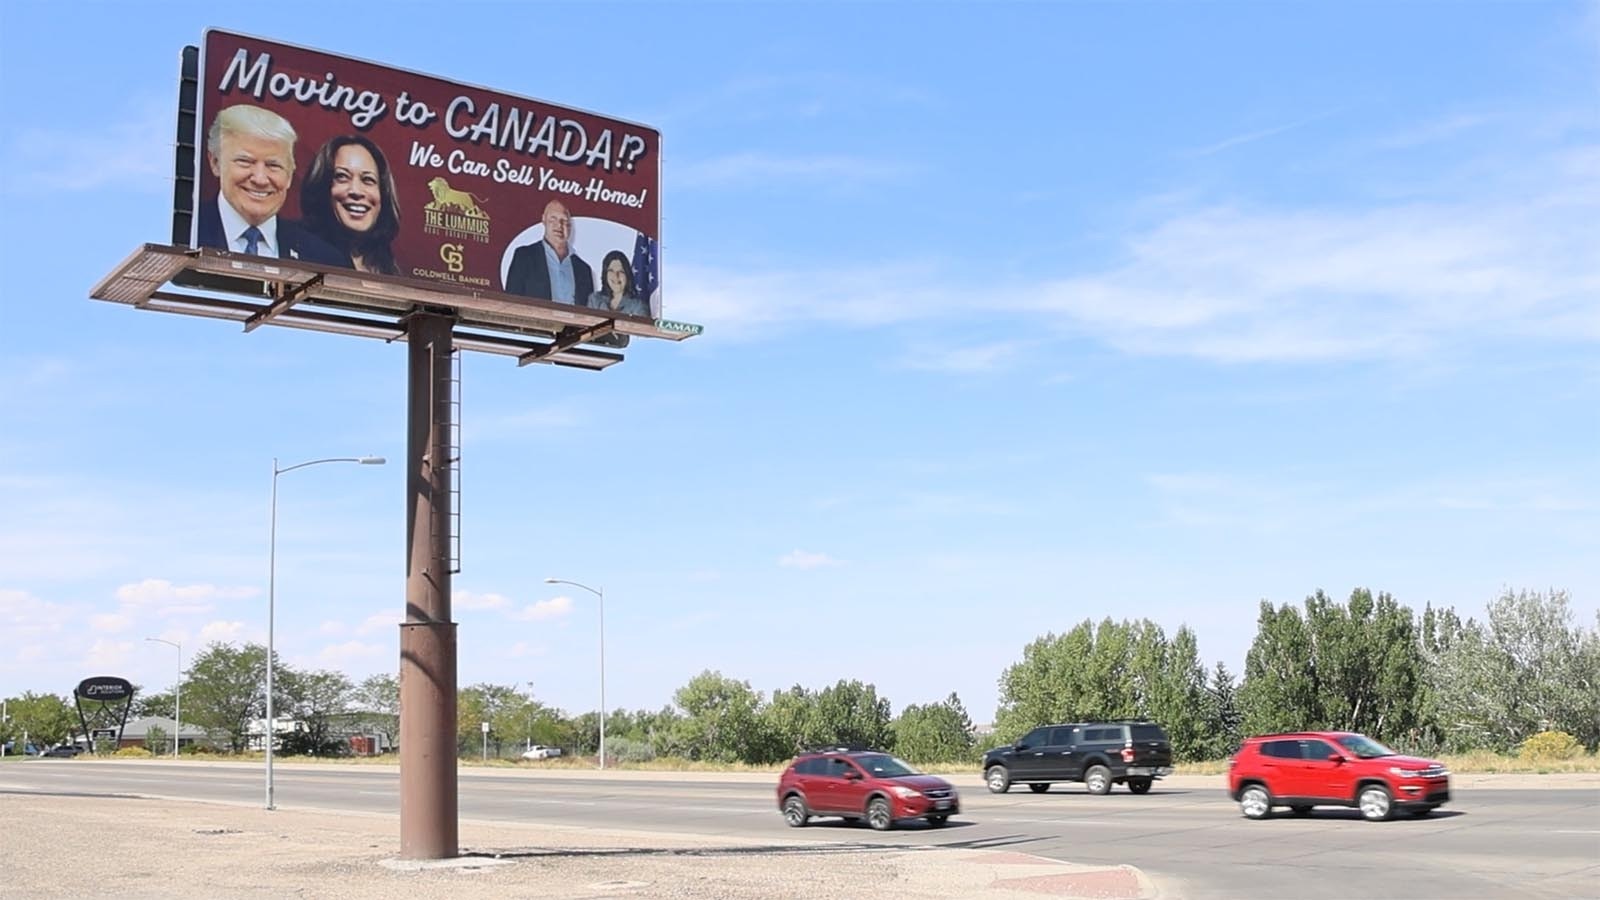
[1039,788]
[878,815]
[1375,802]
[794,811]
[1255,802]
[1140,785]
[938,821]
[1098,780]
[998,779]
[1300,810]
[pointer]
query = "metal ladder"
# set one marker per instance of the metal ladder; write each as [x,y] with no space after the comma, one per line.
[453,461]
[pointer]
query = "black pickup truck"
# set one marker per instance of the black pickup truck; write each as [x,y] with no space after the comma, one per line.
[1099,754]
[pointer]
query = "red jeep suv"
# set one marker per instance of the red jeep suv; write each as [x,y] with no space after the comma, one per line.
[1333,768]
[862,784]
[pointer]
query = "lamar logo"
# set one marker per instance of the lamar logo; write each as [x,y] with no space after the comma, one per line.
[451,254]
[455,213]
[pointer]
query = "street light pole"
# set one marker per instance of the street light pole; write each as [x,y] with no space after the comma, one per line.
[601,593]
[272,584]
[177,694]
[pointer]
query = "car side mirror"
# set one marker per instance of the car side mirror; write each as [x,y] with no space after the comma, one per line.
[852,775]
[1021,746]
[1335,758]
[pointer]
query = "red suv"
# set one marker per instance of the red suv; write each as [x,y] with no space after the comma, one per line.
[1333,768]
[862,784]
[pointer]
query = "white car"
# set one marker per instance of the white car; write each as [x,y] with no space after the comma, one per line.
[540,751]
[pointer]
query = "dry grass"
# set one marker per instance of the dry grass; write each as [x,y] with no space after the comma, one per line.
[1493,762]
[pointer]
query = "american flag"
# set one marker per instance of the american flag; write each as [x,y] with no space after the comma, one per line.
[647,271]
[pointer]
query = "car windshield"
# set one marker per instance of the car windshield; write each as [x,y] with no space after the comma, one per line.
[1364,747]
[882,765]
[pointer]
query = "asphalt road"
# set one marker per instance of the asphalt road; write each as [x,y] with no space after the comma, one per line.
[1185,834]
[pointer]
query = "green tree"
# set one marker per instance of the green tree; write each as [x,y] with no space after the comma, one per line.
[499,706]
[721,719]
[157,741]
[1367,664]
[1111,692]
[316,701]
[935,732]
[1111,671]
[659,729]
[790,721]
[377,705]
[1279,691]
[1048,685]
[45,718]
[537,723]
[1222,714]
[851,712]
[225,690]
[157,704]
[1170,686]
[1353,666]
[1527,668]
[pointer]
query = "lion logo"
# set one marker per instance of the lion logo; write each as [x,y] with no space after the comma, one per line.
[447,198]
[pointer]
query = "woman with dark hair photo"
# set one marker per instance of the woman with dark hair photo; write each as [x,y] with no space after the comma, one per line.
[616,292]
[349,199]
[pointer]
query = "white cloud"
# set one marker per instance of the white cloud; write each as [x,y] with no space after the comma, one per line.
[743,169]
[25,618]
[524,424]
[1256,135]
[109,622]
[332,628]
[1512,258]
[523,649]
[383,621]
[343,656]
[1234,285]
[747,301]
[133,151]
[1434,130]
[161,597]
[221,632]
[105,656]
[469,600]
[965,360]
[555,607]
[801,559]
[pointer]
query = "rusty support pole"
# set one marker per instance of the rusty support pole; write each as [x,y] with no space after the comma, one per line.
[428,800]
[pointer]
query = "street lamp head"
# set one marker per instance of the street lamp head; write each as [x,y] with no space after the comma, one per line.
[552,581]
[371,460]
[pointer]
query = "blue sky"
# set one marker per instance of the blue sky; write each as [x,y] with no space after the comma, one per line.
[1014,316]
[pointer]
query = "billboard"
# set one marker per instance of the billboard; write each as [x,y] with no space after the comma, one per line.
[341,162]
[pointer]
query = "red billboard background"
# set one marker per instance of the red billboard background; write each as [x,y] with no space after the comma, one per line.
[474,170]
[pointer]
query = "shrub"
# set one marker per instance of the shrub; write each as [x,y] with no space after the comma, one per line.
[1548,746]
[630,751]
[134,752]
